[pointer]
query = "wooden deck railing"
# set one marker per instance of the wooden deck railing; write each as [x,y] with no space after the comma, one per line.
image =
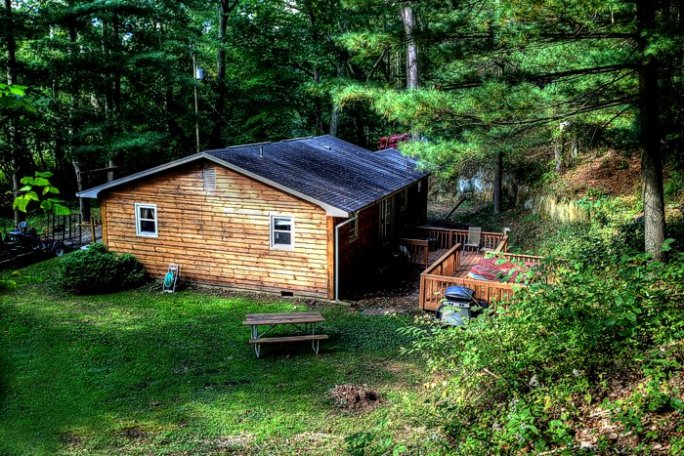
[518,257]
[441,274]
[418,250]
[447,237]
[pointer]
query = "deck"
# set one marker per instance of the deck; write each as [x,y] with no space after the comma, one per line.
[446,264]
[466,261]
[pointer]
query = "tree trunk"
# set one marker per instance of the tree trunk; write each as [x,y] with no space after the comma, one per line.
[498,178]
[12,123]
[651,160]
[409,21]
[115,97]
[558,156]
[334,120]
[318,106]
[83,204]
[220,103]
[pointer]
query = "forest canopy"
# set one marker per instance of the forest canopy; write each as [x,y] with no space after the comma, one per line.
[119,85]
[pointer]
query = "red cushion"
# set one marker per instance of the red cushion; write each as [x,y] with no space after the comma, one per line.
[489,269]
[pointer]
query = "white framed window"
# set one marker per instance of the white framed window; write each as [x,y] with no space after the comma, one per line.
[354,227]
[146,220]
[402,199]
[282,232]
[209,179]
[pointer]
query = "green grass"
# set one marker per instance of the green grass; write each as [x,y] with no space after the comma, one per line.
[141,372]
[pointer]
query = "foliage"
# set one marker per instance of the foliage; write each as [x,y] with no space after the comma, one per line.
[522,378]
[13,97]
[96,270]
[631,234]
[40,190]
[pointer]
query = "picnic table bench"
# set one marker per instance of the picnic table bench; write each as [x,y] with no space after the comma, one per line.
[305,321]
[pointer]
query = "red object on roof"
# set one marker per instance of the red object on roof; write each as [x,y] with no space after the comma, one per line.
[391,142]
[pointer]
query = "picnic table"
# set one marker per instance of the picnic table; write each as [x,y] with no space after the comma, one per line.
[304,321]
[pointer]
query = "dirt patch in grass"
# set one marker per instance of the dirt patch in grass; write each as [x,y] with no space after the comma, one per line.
[133,433]
[354,398]
[71,439]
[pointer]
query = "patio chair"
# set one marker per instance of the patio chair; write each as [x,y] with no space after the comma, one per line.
[473,241]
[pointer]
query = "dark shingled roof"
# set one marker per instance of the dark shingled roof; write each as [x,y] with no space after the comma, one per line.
[327,169]
[334,174]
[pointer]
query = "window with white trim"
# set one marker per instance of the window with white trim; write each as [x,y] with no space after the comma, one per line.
[146,220]
[282,232]
[354,227]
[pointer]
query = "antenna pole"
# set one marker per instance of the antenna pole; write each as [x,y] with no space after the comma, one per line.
[194,79]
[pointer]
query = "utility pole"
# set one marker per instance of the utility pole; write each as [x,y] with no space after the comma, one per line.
[197,76]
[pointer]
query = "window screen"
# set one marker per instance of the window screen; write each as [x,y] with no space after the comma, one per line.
[282,230]
[146,219]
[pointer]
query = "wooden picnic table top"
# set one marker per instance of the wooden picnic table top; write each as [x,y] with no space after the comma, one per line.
[283,318]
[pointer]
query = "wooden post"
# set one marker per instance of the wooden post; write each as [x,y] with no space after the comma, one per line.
[330,229]
[421,295]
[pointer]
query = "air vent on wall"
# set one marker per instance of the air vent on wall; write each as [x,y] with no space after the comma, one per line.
[209,178]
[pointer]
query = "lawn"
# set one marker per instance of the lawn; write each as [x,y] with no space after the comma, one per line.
[141,372]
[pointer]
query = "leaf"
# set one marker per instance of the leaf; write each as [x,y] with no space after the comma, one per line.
[17,90]
[32,196]
[21,203]
[28,180]
[667,245]
[46,205]
[60,209]
[26,188]
[50,189]
[41,182]
[45,174]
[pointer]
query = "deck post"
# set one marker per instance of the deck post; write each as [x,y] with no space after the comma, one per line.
[92,230]
[421,293]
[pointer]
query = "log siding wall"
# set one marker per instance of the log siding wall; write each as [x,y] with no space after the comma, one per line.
[221,237]
[360,258]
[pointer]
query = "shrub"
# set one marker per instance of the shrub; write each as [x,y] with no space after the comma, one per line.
[522,379]
[96,270]
[632,234]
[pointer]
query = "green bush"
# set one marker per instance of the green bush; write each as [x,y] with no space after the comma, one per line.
[632,234]
[519,380]
[96,270]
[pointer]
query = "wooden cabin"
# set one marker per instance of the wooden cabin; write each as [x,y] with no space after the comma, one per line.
[301,217]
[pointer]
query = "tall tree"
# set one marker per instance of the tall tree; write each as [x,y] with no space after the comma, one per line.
[409,22]
[15,140]
[650,130]
[224,10]
[503,73]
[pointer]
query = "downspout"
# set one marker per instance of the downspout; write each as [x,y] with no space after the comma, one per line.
[337,256]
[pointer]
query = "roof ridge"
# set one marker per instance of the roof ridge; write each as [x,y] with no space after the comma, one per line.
[297,139]
[235,146]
